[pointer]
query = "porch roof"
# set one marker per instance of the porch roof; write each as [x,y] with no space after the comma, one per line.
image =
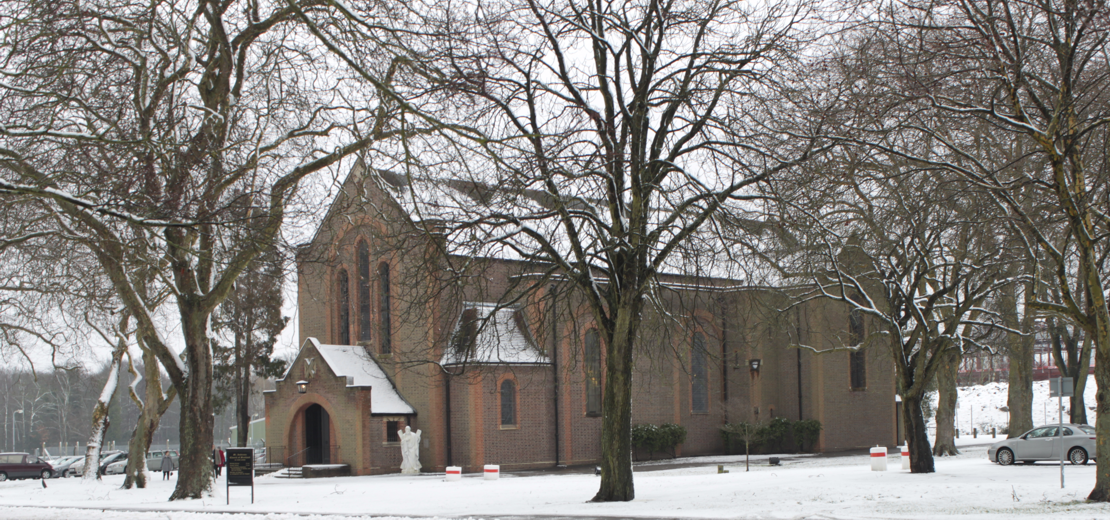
[361,370]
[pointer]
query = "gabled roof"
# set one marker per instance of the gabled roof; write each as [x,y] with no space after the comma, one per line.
[361,370]
[497,336]
[458,205]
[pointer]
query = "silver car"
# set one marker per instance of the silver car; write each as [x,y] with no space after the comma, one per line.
[62,465]
[1046,443]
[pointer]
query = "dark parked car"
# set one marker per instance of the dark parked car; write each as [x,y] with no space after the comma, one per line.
[1047,443]
[23,465]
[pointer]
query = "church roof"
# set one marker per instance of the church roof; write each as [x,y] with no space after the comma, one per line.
[487,334]
[461,206]
[361,370]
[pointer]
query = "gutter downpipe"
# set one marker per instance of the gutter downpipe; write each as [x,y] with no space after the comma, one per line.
[447,413]
[555,370]
[798,331]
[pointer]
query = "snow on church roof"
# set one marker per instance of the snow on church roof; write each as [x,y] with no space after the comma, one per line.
[361,370]
[485,334]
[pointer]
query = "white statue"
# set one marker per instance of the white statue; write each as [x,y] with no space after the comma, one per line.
[410,451]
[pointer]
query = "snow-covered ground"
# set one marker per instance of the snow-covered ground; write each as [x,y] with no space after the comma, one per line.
[821,487]
[984,407]
[816,487]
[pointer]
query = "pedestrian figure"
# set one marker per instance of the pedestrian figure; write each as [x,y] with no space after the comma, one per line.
[167,466]
[218,460]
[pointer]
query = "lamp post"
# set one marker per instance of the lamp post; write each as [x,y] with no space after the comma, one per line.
[19,411]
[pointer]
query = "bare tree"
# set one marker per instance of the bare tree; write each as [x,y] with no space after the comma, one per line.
[1037,73]
[138,124]
[614,131]
[898,246]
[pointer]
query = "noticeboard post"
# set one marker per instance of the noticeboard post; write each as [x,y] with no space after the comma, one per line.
[240,469]
[1061,387]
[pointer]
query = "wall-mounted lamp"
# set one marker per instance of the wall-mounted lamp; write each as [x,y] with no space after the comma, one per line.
[302,386]
[754,363]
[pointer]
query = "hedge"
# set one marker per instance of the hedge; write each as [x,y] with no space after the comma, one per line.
[664,437]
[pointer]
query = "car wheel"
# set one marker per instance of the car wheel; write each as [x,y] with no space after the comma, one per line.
[1005,457]
[3,476]
[1077,456]
[46,474]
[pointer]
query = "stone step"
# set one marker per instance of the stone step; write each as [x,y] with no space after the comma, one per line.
[290,473]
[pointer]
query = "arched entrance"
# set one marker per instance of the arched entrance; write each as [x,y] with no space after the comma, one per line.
[317,435]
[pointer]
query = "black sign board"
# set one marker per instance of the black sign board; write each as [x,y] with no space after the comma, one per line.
[240,469]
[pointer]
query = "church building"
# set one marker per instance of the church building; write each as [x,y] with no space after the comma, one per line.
[496,363]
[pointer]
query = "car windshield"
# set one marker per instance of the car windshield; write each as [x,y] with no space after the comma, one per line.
[1087,429]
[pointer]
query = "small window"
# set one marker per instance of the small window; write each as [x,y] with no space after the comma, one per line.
[508,403]
[593,373]
[343,300]
[391,428]
[467,333]
[699,375]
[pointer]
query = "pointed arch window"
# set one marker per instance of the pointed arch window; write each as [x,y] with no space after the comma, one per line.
[592,360]
[508,403]
[343,314]
[363,291]
[386,323]
[699,375]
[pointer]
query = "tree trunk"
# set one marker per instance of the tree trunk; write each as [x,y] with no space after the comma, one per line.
[1101,491]
[1019,353]
[100,411]
[243,357]
[945,443]
[1078,406]
[195,470]
[616,425]
[1100,329]
[917,438]
[151,411]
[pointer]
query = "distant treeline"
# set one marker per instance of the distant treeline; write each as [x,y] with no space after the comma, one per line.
[57,408]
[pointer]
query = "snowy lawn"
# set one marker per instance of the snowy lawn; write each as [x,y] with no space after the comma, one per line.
[984,407]
[806,487]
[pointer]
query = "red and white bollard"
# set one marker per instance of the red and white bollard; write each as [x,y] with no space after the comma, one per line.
[905,457]
[454,473]
[878,458]
[492,471]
